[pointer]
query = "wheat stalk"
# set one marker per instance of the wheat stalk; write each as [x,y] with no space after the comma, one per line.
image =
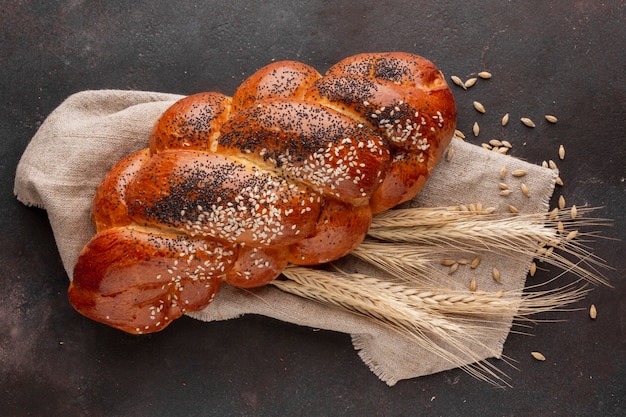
[406,245]
[433,331]
[516,237]
[442,321]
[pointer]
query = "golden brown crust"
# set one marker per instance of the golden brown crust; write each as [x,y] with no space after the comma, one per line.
[109,203]
[289,170]
[210,195]
[140,281]
[403,98]
[257,266]
[192,123]
[312,144]
[283,79]
[340,229]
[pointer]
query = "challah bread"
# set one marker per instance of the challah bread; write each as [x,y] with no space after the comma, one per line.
[289,170]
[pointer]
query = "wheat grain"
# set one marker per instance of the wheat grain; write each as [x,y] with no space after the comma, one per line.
[479,107]
[449,154]
[470,82]
[495,273]
[456,80]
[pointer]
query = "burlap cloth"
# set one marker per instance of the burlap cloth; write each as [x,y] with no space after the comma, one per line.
[81,140]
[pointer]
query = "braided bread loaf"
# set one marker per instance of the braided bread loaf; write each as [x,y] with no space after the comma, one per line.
[288,170]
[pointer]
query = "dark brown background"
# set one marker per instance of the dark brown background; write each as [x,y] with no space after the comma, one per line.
[562,57]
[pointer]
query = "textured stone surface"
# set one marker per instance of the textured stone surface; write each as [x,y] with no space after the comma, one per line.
[559,57]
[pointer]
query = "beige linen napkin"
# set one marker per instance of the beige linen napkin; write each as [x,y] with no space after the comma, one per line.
[89,132]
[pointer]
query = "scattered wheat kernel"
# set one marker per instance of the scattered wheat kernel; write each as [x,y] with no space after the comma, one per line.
[475,262]
[533,269]
[447,262]
[449,154]
[560,227]
[459,134]
[525,189]
[544,164]
[485,75]
[505,119]
[554,213]
[507,144]
[479,207]
[562,152]
[503,150]
[453,268]
[505,193]
[538,356]
[475,129]
[552,164]
[519,173]
[499,294]
[470,82]
[593,312]
[479,107]
[561,202]
[572,235]
[550,118]
[458,81]
[573,212]
[503,186]
[503,172]
[527,122]
[495,274]
[495,142]
[463,207]
[495,148]
[513,209]
[549,251]
[473,285]
[472,207]
[463,261]
[559,181]
[486,146]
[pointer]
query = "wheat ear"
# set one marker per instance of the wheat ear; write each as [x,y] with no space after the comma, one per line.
[514,236]
[429,329]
